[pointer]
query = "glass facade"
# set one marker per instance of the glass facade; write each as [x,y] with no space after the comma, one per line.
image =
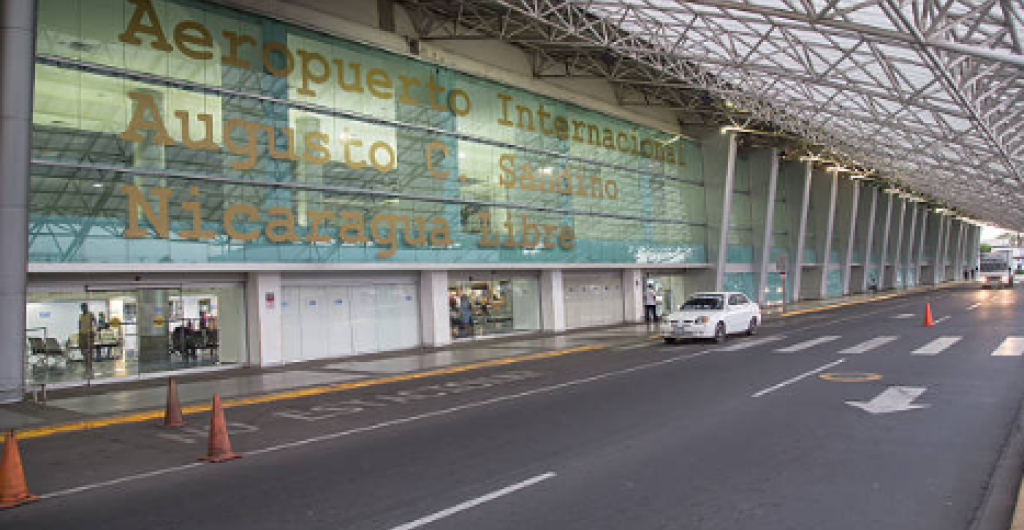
[182,132]
[124,333]
[484,304]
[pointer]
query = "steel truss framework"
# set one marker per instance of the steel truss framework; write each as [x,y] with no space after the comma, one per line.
[927,94]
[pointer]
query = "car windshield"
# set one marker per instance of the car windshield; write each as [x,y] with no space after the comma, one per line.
[994,266]
[704,302]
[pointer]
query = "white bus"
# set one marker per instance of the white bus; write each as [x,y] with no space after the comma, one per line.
[996,270]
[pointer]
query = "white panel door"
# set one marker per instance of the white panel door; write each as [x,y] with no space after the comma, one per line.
[572,315]
[387,321]
[363,315]
[408,317]
[291,325]
[339,327]
[314,323]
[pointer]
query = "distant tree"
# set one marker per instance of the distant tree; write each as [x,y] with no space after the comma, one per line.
[986,248]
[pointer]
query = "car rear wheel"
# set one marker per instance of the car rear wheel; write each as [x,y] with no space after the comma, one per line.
[720,333]
[752,327]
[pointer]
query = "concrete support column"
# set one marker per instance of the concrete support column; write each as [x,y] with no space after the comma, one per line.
[909,269]
[958,260]
[723,235]
[939,261]
[896,266]
[798,260]
[719,158]
[851,235]
[769,224]
[263,318]
[552,301]
[633,296]
[17,69]
[947,240]
[922,238]
[870,239]
[884,243]
[435,322]
[830,222]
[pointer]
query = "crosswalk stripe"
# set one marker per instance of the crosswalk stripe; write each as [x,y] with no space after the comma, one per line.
[750,343]
[808,344]
[936,346]
[1011,347]
[869,344]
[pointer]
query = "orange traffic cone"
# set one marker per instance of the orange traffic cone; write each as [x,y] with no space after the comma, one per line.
[172,416]
[13,490]
[928,314]
[219,448]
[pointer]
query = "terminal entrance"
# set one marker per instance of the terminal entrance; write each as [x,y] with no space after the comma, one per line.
[77,336]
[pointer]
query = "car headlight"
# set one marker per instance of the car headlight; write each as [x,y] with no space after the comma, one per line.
[700,320]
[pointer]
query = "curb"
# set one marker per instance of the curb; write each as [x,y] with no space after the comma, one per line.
[154,414]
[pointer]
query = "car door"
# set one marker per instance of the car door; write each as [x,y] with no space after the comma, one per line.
[738,314]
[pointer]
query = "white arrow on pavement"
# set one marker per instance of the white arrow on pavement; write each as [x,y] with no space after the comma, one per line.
[893,399]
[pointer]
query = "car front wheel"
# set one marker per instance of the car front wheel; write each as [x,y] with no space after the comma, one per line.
[752,327]
[720,333]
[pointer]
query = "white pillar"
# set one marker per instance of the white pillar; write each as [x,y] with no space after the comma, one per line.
[769,225]
[899,243]
[885,242]
[723,235]
[826,259]
[552,301]
[17,70]
[851,235]
[922,238]
[633,295]
[263,312]
[870,239]
[435,322]
[939,263]
[798,261]
[910,248]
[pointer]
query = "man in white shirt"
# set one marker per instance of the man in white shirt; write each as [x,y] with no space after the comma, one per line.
[650,304]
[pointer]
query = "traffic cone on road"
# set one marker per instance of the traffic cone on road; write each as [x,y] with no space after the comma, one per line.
[172,416]
[928,314]
[219,448]
[13,490]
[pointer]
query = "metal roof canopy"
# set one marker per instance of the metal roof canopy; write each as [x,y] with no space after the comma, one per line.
[928,94]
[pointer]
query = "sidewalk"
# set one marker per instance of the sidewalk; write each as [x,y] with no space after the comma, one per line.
[80,408]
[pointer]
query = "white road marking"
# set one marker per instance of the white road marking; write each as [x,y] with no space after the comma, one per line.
[936,346]
[892,399]
[905,315]
[974,306]
[390,423]
[750,343]
[1011,347]
[797,378]
[121,480]
[808,344]
[634,346]
[474,502]
[943,319]
[869,344]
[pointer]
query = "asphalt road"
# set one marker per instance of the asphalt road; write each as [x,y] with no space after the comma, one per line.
[852,418]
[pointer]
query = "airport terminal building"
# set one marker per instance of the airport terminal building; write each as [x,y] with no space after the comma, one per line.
[251,183]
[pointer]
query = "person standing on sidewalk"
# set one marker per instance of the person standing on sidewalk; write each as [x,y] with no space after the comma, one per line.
[87,337]
[650,304]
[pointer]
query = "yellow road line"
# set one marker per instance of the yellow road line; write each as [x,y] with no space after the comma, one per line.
[148,415]
[833,306]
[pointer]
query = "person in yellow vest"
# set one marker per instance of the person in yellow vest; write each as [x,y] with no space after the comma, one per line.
[87,336]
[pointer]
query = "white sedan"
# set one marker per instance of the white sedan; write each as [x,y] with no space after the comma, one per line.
[712,316]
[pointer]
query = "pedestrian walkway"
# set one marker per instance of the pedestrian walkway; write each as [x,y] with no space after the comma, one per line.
[75,404]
